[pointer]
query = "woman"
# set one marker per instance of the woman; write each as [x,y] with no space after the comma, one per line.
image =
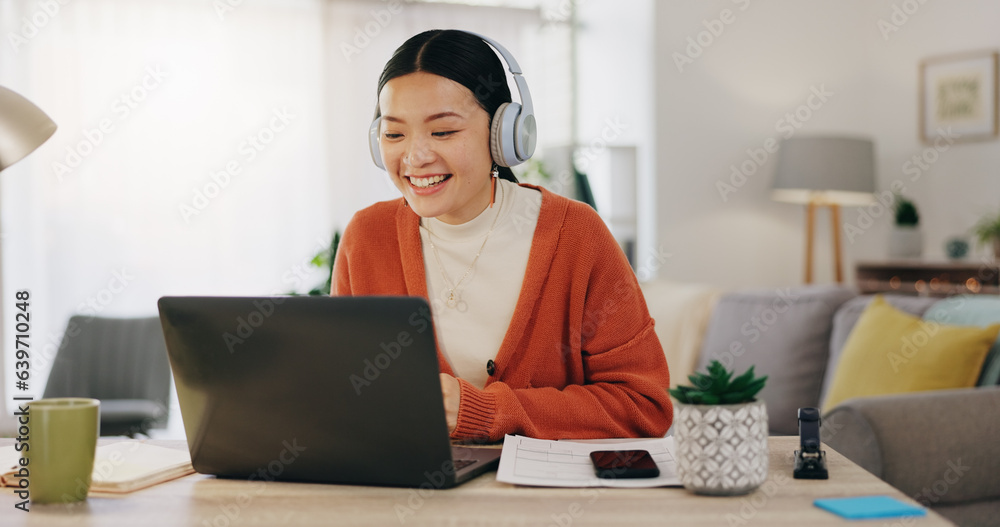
[542,329]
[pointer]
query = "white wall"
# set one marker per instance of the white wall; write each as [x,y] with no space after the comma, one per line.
[964,183]
[764,64]
[68,237]
[615,90]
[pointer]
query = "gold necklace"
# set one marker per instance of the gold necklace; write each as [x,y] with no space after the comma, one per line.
[452,301]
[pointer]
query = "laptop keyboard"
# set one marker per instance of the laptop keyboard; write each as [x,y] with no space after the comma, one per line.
[462,463]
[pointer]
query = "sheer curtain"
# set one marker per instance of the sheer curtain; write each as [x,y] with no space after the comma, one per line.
[199,151]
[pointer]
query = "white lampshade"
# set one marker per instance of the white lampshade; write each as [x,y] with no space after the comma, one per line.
[829,169]
[23,127]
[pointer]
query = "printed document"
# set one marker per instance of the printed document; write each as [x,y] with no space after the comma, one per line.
[542,463]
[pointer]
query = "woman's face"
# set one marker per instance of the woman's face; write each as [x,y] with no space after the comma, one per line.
[435,145]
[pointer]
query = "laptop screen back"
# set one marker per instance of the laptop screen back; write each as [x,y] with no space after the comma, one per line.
[341,389]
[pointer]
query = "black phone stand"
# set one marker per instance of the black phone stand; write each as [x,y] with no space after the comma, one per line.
[810,461]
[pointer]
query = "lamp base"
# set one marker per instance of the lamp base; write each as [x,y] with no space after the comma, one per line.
[835,231]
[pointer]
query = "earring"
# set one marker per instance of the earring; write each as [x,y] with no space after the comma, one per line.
[493,183]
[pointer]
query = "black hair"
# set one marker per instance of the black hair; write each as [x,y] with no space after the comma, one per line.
[459,56]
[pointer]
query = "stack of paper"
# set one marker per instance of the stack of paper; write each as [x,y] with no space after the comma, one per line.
[542,463]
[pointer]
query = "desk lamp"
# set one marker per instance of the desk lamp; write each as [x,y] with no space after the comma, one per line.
[825,171]
[23,128]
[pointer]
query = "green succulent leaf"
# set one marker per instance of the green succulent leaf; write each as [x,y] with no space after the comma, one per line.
[740,383]
[700,381]
[717,386]
[710,398]
[734,398]
[680,393]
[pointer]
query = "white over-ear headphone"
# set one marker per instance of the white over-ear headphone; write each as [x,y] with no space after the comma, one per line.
[512,132]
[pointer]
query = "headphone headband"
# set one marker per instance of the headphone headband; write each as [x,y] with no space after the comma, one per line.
[514,68]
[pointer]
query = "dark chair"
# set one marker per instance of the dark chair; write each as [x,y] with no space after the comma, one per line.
[121,361]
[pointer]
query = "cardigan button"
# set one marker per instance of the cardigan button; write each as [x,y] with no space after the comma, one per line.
[491,367]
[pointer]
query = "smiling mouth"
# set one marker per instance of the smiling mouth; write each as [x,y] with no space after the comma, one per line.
[427,182]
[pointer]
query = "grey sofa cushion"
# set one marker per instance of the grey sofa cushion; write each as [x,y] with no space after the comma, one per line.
[785,334]
[986,512]
[847,430]
[937,446]
[849,313]
[972,310]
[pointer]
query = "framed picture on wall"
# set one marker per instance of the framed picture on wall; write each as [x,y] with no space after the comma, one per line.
[958,97]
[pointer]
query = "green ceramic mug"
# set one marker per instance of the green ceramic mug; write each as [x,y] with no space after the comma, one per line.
[62,439]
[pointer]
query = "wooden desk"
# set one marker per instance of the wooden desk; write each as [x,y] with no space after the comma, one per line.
[199,501]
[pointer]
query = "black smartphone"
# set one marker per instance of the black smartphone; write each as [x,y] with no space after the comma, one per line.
[614,464]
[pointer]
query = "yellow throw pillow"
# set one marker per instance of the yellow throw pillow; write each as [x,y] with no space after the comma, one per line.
[890,351]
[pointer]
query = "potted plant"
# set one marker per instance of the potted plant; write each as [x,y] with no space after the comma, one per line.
[956,248]
[988,231]
[720,429]
[324,261]
[905,241]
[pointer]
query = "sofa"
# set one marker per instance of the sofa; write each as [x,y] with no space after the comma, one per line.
[942,447]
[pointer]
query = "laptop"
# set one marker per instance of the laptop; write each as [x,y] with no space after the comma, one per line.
[314,389]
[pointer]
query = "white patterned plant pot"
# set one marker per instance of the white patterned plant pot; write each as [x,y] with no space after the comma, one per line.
[721,449]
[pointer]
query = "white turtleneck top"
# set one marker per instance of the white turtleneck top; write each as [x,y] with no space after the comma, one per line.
[470,333]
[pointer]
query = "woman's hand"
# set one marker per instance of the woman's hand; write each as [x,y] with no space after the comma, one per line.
[450,390]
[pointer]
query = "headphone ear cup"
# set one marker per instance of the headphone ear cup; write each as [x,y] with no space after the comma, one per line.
[525,135]
[373,146]
[497,136]
[512,135]
[502,138]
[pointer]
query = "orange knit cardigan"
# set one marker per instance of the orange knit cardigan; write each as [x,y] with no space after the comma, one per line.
[580,358]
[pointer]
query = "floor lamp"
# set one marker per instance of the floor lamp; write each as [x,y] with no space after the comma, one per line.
[23,128]
[825,171]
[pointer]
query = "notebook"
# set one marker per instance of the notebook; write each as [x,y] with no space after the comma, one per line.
[119,468]
[316,389]
[867,507]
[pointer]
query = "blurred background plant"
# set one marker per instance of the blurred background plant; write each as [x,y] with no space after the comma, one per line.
[535,172]
[905,239]
[906,212]
[323,260]
[987,231]
[956,247]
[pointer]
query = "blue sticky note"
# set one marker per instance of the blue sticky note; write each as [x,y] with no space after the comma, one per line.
[865,507]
